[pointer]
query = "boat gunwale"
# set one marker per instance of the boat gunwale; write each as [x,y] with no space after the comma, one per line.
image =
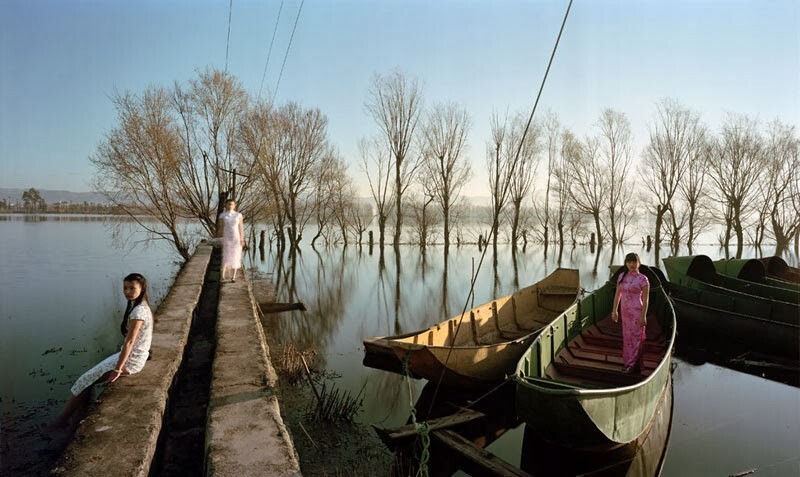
[742,315]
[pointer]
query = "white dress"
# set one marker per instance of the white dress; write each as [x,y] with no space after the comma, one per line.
[231,240]
[137,358]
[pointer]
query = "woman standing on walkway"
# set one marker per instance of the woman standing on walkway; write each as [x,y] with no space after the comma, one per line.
[231,226]
[137,328]
[633,293]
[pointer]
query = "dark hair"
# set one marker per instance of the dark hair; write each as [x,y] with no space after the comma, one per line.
[134,277]
[631,257]
[229,201]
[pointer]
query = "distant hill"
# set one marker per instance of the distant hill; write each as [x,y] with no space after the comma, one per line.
[51,196]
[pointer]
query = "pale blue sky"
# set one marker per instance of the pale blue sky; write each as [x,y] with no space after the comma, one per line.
[61,60]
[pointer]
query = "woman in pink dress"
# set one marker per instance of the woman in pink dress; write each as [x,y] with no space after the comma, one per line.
[231,226]
[633,294]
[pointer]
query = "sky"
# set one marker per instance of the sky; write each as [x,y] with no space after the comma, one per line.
[62,61]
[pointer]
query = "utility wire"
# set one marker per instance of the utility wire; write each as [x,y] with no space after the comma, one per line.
[269,53]
[480,262]
[287,49]
[228,43]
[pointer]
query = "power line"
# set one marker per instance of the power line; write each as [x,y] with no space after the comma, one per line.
[480,262]
[287,49]
[269,53]
[228,43]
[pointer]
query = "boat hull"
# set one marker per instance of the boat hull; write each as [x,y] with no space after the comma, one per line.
[591,417]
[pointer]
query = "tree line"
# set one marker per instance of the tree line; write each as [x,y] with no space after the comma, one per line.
[181,151]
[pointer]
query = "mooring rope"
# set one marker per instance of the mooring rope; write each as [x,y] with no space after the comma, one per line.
[423,430]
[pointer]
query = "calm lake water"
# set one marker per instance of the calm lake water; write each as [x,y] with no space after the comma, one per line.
[61,301]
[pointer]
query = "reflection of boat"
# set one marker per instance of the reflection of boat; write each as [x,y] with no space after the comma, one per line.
[698,272]
[643,457]
[489,342]
[746,322]
[570,388]
[778,268]
[753,270]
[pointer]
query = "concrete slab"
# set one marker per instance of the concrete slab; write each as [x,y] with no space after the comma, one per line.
[245,435]
[120,434]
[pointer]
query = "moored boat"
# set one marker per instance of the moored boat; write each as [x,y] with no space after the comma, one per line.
[697,271]
[739,321]
[484,345]
[752,270]
[778,268]
[570,385]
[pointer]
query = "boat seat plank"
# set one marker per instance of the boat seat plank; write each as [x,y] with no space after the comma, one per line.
[556,290]
[607,376]
[472,458]
[580,345]
[655,347]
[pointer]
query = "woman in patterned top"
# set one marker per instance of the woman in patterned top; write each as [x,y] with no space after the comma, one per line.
[633,293]
[137,328]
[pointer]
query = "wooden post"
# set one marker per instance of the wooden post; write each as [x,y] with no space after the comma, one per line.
[262,240]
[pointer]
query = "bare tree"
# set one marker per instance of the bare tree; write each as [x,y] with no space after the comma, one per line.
[395,103]
[677,141]
[735,167]
[781,179]
[552,133]
[138,164]
[297,144]
[209,111]
[527,164]
[501,162]
[692,187]
[444,139]
[616,138]
[377,163]
[360,216]
[587,178]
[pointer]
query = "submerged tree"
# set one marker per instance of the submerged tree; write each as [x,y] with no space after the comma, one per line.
[527,164]
[377,164]
[395,103]
[444,139]
[782,183]
[736,164]
[615,148]
[587,178]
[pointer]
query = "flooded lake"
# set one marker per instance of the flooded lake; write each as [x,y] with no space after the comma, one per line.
[61,302]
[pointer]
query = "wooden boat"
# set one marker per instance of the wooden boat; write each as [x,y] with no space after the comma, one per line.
[778,268]
[570,385]
[484,346]
[645,456]
[739,321]
[698,272]
[752,270]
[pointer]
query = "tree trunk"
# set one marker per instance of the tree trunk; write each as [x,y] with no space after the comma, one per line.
[398,224]
[597,227]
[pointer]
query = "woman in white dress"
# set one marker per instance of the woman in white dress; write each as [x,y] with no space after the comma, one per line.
[232,230]
[137,328]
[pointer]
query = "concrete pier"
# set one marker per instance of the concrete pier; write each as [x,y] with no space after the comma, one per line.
[245,434]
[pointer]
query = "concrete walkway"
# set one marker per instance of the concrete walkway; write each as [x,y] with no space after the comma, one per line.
[245,435]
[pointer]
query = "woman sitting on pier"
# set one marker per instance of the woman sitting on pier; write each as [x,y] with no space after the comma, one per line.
[137,327]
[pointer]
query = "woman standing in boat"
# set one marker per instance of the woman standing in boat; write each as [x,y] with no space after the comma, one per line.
[633,294]
[137,328]
[232,229]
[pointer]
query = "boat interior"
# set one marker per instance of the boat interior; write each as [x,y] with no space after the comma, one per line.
[593,359]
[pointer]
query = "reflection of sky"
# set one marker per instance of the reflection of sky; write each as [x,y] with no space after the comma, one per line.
[349,299]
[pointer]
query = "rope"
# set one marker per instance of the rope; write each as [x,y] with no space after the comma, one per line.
[423,430]
[269,53]
[278,83]
[228,43]
[519,150]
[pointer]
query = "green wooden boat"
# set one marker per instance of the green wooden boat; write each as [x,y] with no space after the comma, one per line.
[778,268]
[739,321]
[570,385]
[482,348]
[698,272]
[752,270]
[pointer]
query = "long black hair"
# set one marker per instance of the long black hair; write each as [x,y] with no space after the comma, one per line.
[139,278]
[631,257]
